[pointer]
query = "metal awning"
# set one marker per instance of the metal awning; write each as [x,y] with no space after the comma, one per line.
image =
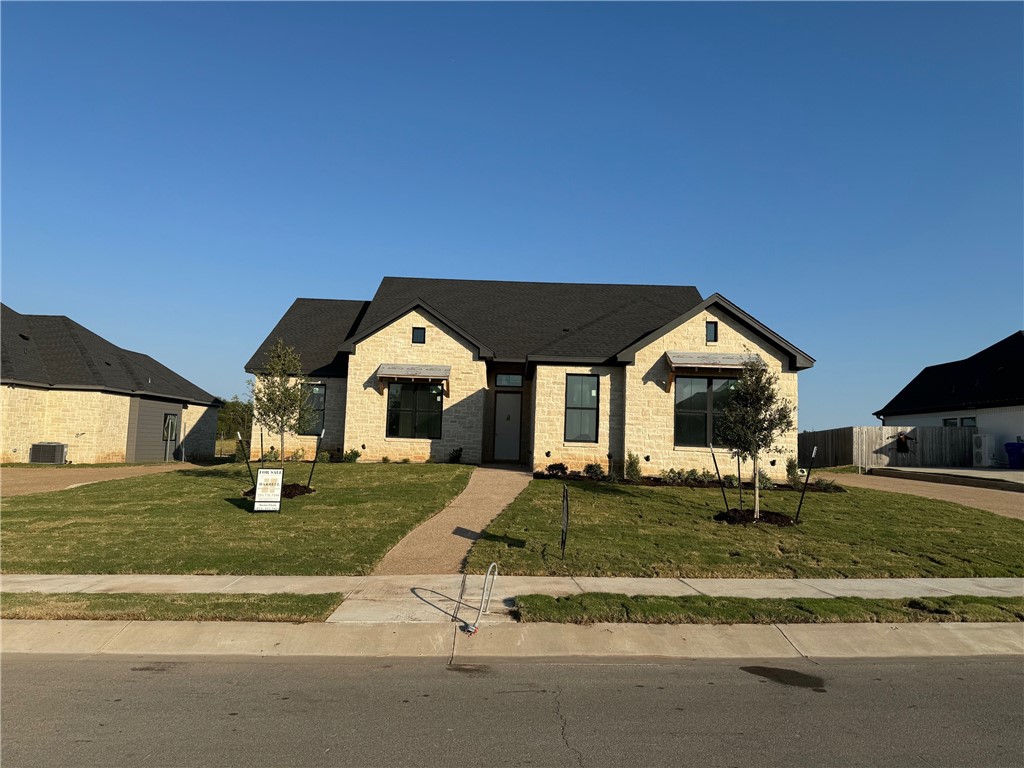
[704,364]
[405,372]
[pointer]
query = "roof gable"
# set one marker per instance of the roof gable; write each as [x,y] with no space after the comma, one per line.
[991,378]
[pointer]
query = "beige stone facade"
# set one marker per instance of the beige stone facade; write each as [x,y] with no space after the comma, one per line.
[549,418]
[650,402]
[199,432]
[93,424]
[463,406]
[335,396]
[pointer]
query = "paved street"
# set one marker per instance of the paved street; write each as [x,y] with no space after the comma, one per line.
[166,711]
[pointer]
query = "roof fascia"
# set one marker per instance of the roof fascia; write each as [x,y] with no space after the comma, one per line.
[112,390]
[798,359]
[571,360]
[349,345]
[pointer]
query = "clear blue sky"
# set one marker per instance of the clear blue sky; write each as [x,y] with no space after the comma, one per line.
[176,174]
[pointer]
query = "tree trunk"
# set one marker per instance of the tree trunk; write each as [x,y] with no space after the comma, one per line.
[282,449]
[757,492]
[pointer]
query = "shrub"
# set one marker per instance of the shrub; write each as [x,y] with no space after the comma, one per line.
[559,470]
[404,461]
[297,455]
[241,454]
[691,477]
[672,477]
[323,456]
[764,482]
[271,455]
[633,467]
[827,486]
[705,479]
[385,460]
[455,456]
[350,457]
[792,472]
[731,481]
[594,472]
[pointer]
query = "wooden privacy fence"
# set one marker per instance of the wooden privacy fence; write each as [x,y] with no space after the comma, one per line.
[877,447]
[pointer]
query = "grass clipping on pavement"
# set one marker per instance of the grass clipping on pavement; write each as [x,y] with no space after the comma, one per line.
[178,607]
[602,607]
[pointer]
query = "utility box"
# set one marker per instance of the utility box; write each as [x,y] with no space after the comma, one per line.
[48,453]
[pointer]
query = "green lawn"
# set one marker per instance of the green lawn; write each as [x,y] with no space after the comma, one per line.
[196,522]
[625,530]
[185,607]
[590,608]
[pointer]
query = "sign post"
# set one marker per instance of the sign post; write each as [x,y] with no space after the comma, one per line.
[565,516]
[269,483]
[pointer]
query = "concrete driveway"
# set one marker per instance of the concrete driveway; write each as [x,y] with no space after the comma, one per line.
[20,481]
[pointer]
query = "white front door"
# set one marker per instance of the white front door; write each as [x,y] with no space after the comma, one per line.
[507,411]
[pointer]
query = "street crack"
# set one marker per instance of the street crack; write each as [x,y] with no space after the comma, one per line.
[564,726]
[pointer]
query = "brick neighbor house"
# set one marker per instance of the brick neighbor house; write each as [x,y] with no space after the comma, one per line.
[527,373]
[70,395]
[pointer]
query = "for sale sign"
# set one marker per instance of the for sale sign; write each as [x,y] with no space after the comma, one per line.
[268,490]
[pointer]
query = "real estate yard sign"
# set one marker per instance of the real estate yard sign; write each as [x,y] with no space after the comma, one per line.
[269,483]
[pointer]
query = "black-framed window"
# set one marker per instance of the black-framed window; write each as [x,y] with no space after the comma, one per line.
[711,331]
[508,380]
[968,421]
[316,397]
[949,422]
[581,402]
[698,400]
[414,410]
[419,335]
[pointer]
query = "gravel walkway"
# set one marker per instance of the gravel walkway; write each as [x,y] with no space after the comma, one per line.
[1005,503]
[20,481]
[440,545]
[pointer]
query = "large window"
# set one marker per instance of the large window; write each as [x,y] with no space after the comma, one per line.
[414,410]
[315,398]
[698,400]
[581,397]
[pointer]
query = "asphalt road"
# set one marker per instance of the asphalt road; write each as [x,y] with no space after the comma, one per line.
[124,711]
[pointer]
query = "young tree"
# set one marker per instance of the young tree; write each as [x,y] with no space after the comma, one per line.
[279,395]
[754,417]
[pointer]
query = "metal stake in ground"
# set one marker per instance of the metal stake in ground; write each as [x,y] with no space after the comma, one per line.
[814,452]
[739,475]
[565,516]
[720,483]
[315,457]
[246,459]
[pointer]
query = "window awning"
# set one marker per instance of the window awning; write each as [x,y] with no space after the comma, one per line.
[405,372]
[704,363]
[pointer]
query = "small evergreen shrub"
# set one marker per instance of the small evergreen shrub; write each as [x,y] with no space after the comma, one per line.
[241,454]
[827,486]
[559,469]
[385,460]
[633,468]
[350,457]
[764,482]
[792,472]
[705,478]
[594,472]
[455,456]
[672,477]
[691,477]
[404,461]
[323,456]
[731,481]
[297,455]
[271,455]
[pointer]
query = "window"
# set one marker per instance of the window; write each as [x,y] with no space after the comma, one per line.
[949,422]
[414,410]
[711,331]
[508,380]
[698,400]
[581,396]
[315,397]
[968,421]
[419,335]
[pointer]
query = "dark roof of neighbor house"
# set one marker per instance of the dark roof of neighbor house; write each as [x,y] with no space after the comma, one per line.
[55,352]
[991,378]
[315,328]
[507,321]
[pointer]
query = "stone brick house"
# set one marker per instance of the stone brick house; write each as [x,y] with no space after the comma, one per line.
[527,373]
[63,384]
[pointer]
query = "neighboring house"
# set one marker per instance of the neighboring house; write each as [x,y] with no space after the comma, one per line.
[985,390]
[62,384]
[528,373]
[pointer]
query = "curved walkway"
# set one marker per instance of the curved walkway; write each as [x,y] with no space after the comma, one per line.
[440,545]
[1005,503]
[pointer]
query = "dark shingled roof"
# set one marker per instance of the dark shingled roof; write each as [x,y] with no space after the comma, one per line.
[315,328]
[55,352]
[990,379]
[514,320]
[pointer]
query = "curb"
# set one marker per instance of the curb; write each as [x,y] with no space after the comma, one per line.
[445,642]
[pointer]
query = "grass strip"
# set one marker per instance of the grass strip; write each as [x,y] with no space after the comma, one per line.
[603,607]
[130,606]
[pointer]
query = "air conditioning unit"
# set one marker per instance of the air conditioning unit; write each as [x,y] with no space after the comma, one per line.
[48,453]
[982,450]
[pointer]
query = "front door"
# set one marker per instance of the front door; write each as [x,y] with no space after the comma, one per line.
[508,408]
[170,435]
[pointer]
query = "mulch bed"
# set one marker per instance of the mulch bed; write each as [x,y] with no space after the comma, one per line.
[288,491]
[746,517]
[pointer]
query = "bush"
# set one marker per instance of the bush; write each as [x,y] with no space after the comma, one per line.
[271,455]
[705,479]
[323,456]
[691,477]
[404,461]
[672,477]
[792,472]
[764,482]
[827,486]
[594,472]
[385,460]
[633,468]
[455,456]
[559,470]
[241,454]
[297,455]
[350,457]
[731,481]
